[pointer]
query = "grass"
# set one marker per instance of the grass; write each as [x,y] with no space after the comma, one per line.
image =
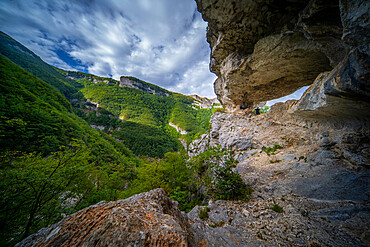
[302,158]
[219,224]
[305,213]
[271,150]
[275,161]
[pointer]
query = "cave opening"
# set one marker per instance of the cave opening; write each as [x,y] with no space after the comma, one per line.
[293,96]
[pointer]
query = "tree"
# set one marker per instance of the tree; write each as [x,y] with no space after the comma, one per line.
[35,190]
[213,174]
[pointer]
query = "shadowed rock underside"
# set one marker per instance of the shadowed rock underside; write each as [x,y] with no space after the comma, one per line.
[263,50]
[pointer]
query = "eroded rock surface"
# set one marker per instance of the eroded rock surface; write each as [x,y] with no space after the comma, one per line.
[205,103]
[262,50]
[147,219]
[132,82]
[319,175]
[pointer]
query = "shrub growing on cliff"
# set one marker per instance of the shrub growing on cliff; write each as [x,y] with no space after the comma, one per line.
[275,207]
[228,185]
[271,150]
[213,170]
[191,181]
[265,109]
[203,213]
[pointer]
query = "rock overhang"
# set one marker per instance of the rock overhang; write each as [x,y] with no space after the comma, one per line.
[262,50]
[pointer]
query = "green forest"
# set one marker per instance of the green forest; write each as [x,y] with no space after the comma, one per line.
[54,163]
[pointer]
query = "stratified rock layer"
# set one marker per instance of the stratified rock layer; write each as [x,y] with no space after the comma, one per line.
[262,50]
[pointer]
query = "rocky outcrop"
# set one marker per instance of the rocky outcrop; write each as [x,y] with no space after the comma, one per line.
[98,127]
[302,222]
[132,82]
[321,99]
[178,129]
[147,219]
[91,105]
[317,171]
[262,50]
[344,92]
[205,103]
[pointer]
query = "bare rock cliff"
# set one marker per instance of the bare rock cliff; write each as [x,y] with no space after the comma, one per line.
[261,50]
[132,82]
[317,171]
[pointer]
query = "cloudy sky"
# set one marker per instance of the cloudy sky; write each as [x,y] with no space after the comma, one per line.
[159,41]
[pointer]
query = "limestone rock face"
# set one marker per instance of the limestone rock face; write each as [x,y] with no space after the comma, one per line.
[141,85]
[319,175]
[147,219]
[344,92]
[204,102]
[262,50]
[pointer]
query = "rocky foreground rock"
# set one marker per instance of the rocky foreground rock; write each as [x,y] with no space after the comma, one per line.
[317,172]
[147,219]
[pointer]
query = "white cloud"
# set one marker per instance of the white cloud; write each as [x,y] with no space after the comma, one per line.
[195,80]
[162,41]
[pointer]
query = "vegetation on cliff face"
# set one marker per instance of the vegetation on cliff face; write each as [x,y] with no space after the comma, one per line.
[192,181]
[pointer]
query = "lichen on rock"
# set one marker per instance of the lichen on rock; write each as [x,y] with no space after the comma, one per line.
[147,219]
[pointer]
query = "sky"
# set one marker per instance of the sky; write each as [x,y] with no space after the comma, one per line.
[296,95]
[159,41]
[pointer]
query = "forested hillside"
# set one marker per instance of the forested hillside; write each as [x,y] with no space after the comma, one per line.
[49,155]
[145,117]
[143,127]
[54,163]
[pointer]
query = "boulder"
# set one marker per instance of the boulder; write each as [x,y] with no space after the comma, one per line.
[147,219]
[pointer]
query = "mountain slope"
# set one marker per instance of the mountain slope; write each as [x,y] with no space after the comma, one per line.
[145,111]
[143,104]
[50,157]
[26,59]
